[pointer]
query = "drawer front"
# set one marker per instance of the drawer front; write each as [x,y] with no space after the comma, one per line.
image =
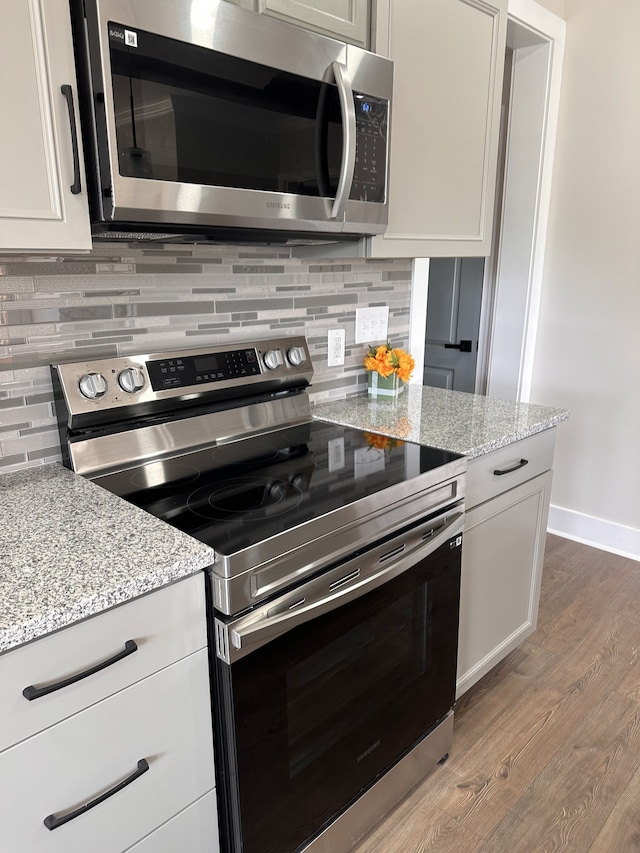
[165,625]
[164,719]
[195,830]
[483,483]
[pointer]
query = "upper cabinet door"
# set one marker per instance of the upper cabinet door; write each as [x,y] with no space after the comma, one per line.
[38,210]
[347,20]
[449,61]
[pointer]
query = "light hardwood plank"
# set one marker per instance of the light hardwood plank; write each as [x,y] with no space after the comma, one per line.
[621,832]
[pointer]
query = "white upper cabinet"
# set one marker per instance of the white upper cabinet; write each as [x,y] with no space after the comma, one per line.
[449,60]
[346,20]
[38,208]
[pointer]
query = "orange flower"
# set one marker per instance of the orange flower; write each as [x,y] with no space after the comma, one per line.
[382,442]
[385,360]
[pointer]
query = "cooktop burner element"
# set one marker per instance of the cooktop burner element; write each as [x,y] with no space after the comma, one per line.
[252,498]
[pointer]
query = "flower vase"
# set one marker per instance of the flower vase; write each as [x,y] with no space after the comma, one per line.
[385,387]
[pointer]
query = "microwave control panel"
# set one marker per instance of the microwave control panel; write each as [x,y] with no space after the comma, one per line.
[369,178]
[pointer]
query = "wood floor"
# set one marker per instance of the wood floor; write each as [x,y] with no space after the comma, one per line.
[546,748]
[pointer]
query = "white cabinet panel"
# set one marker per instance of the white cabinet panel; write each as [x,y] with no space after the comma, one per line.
[536,452]
[166,625]
[164,719]
[502,559]
[38,211]
[195,830]
[449,60]
[347,20]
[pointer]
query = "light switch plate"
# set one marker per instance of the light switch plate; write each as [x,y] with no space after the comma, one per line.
[335,347]
[372,324]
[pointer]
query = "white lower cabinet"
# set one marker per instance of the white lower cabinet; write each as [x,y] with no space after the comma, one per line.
[165,626]
[109,760]
[194,830]
[164,720]
[503,553]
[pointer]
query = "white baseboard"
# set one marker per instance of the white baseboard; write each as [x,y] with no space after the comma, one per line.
[606,535]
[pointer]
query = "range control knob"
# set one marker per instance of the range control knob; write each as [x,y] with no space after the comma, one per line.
[93,386]
[131,379]
[272,359]
[297,356]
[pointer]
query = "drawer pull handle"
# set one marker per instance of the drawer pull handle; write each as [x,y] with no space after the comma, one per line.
[53,821]
[32,692]
[500,471]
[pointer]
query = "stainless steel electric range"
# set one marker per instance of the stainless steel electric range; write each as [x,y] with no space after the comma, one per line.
[334,592]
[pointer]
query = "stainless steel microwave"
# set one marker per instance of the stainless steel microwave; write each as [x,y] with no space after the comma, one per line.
[203,120]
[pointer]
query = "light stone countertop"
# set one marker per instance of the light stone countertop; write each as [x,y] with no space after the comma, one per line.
[451,420]
[69,549]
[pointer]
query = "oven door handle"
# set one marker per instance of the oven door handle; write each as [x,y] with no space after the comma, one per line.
[256,629]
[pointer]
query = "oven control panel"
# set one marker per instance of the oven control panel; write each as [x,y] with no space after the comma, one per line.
[91,389]
[202,369]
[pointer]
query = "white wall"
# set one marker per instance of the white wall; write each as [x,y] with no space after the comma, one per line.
[588,347]
[555,6]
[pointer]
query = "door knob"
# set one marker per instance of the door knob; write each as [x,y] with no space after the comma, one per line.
[463,346]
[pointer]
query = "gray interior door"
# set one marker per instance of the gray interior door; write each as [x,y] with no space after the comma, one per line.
[453,322]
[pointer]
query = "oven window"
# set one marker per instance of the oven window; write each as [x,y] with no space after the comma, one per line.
[387,648]
[320,713]
[188,114]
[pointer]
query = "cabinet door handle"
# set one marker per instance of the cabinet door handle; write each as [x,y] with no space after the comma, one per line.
[500,471]
[32,692]
[53,821]
[76,186]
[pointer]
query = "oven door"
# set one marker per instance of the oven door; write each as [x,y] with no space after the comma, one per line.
[221,117]
[326,688]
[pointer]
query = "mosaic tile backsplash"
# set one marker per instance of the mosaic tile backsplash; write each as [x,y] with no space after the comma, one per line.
[136,300]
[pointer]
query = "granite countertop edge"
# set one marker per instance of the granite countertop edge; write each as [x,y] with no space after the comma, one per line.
[70,550]
[459,422]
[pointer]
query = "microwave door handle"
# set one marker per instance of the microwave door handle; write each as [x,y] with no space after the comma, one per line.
[256,634]
[348,164]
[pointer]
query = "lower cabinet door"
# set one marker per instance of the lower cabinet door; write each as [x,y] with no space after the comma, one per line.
[502,557]
[162,723]
[194,830]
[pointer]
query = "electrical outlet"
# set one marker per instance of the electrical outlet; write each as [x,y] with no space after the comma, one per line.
[372,324]
[335,347]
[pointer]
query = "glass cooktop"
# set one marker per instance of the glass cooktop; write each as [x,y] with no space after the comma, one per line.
[233,496]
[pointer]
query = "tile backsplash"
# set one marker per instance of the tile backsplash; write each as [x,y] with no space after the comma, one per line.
[128,299]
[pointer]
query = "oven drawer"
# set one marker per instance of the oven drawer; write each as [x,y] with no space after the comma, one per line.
[519,462]
[164,720]
[166,625]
